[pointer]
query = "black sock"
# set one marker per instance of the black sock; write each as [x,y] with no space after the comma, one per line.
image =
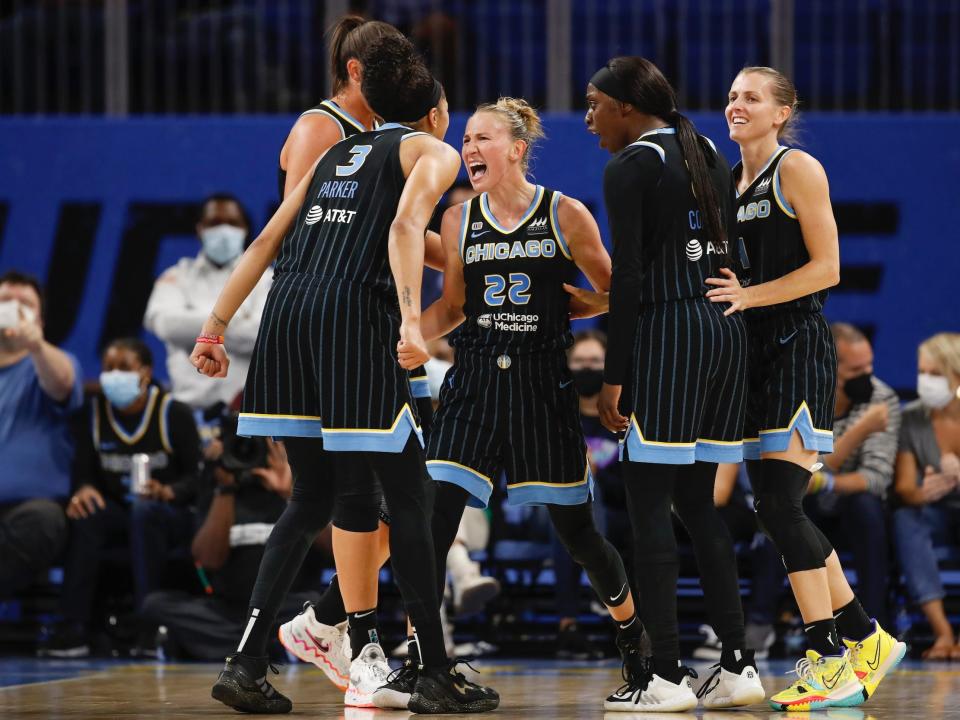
[329,609]
[413,650]
[736,659]
[852,622]
[629,629]
[669,669]
[256,667]
[822,637]
[363,630]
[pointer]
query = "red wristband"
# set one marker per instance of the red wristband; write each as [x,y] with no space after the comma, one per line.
[210,339]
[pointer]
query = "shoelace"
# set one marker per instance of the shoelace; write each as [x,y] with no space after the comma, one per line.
[633,681]
[401,672]
[804,671]
[707,687]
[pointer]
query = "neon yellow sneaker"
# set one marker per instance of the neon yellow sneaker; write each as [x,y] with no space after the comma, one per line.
[825,681]
[874,656]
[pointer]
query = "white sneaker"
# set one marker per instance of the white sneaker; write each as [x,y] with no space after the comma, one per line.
[711,648]
[313,642]
[367,673]
[653,695]
[727,689]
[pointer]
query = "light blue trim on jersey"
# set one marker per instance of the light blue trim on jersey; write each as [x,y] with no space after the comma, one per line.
[278,426]
[659,131]
[420,387]
[719,452]
[396,126]
[391,440]
[477,484]
[555,221]
[779,440]
[766,165]
[551,494]
[778,193]
[464,217]
[338,120]
[710,143]
[653,146]
[490,218]
[346,116]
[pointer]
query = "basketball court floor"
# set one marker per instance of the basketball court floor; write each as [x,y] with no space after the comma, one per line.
[529,689]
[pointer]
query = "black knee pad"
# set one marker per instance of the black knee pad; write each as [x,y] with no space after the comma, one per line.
[578,532]
[358,512]
[779,507]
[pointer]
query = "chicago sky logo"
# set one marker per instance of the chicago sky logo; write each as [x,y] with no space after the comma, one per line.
[537,226]
[763,186]
[694,250]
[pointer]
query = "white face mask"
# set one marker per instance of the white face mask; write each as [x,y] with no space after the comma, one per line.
[223,243]
[934,390]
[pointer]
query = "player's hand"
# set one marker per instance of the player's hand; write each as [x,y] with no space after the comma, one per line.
[85,502]
[729,290]
[875,418]
[210,359]
[950,464]
[156,490]
[586,303]
[412,349]
[609,406]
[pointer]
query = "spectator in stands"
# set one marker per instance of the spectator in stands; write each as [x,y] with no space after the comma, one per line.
[184,294]
[130,416]
[847,497]
[240,508]
[928,472]
[39,388]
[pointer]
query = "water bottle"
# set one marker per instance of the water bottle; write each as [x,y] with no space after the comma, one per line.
[139,473]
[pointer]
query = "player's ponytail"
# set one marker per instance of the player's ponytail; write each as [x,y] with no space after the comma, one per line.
[523,122]
[647,89]
[396,83]
[348,38]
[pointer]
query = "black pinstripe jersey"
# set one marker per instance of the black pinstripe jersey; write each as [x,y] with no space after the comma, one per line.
[771,236]
[515,301]
[349,126]
[341,230]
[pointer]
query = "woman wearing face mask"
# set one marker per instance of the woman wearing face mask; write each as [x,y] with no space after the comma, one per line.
[183,293]
[791,256]
[927,476]
[129,417]
[508,406]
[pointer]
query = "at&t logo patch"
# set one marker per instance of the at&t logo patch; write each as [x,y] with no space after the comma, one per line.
[694,250]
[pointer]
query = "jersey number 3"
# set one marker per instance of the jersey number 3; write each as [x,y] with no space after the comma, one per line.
[359,154]
[496,285]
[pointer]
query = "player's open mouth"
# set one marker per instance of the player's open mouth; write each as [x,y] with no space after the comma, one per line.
[739,121]
[477,170]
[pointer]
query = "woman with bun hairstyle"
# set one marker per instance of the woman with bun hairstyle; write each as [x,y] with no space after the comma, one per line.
[328,374]
[674,375]
[792,255]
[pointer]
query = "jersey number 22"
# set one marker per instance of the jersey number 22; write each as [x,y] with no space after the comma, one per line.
[518,292]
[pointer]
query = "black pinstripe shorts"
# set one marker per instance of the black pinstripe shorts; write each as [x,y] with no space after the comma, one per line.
[685,398]
[791,382]
[519,419]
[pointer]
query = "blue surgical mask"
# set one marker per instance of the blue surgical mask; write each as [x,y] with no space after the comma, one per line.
[122,387]
[223,243]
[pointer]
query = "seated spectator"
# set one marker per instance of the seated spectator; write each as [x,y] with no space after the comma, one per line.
[182,298]
[928,472]
[39,388]
[131,416]
[240,508]
[847,496]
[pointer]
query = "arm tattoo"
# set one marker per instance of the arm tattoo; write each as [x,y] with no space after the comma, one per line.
[407,300]
[216,318]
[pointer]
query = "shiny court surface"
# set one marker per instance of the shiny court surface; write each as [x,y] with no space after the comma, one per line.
[530,689]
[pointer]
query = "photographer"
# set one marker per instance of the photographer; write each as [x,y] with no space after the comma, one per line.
[130,416]
[246,491]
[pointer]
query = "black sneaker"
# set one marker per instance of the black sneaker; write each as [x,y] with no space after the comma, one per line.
[395,694]
[67,641]
[635,654]
[574,645]
[247,691]
[444,690]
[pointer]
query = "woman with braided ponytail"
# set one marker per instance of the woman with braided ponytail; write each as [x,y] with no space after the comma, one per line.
[674,379]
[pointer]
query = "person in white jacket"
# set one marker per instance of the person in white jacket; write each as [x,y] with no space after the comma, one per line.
[184,293]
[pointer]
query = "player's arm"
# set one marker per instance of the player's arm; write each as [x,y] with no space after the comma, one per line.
[446,312]
[434,256]
[806,189]
[211,359]
[312,135]
[431,167]
[582,236]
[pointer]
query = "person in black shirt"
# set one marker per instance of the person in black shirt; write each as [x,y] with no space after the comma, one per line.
[131,415]
[674,377]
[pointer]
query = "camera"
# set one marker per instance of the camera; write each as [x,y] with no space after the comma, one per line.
[241,454]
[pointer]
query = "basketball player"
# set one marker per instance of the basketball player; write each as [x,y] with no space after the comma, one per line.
[792,256]
[360,539]
[325,368]
[675,369]
[508,405]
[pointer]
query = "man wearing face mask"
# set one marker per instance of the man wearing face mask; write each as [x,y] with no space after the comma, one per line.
[130,417]
[846,497]
[184,293]
[39,388]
